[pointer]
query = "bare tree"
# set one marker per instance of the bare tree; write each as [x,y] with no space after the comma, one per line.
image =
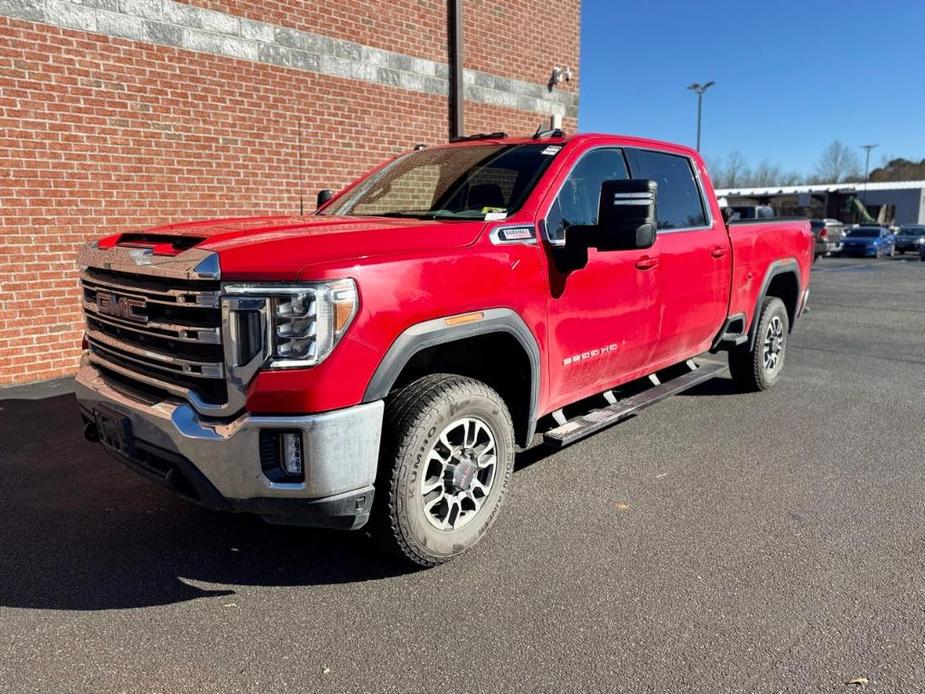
[838,163]
[736,170]
[729,172]
[766,174]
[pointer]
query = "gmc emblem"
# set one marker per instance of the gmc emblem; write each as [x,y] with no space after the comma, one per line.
[124,307]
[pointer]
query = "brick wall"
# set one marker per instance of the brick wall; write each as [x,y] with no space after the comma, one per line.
[101,133]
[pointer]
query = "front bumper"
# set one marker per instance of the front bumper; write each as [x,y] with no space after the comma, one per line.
[216,462]
[861,251]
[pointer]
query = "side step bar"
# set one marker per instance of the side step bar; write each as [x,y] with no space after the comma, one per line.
[594,421]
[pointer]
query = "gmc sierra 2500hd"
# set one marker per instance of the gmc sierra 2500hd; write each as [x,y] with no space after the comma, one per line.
[379,360]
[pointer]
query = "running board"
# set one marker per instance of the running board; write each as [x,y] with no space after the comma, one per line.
[594,421]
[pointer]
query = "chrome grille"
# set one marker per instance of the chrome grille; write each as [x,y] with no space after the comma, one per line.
[166,331]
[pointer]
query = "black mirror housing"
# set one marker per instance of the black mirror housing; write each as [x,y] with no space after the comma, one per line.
[324,196]
[626,215]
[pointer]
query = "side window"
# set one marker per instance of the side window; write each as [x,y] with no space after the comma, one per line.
[679,203]
[579,198]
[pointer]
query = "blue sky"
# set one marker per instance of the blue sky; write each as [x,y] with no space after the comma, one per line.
[790,76]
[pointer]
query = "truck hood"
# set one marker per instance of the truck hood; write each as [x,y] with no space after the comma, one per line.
[282,248]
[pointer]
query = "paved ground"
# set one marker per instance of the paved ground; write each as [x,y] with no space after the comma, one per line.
[717,543]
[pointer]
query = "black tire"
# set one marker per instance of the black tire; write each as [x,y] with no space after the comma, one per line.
[749,369]
[415,418]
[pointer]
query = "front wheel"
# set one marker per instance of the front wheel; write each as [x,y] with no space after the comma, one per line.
[447,458]
[760,368]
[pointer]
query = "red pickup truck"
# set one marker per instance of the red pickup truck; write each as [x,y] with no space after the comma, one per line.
[379,361]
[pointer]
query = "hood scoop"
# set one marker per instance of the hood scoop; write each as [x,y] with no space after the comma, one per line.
[158,244]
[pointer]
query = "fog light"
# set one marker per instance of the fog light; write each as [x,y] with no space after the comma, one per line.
[291,458]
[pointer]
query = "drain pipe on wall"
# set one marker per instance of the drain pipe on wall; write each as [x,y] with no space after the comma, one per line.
[457,96]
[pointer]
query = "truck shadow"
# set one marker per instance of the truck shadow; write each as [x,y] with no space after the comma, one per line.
[715,386]
[81,532]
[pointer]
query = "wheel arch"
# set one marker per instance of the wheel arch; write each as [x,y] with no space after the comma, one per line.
[782,280]
[440,345]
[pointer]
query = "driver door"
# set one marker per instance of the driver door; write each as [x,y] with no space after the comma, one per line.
[603,318]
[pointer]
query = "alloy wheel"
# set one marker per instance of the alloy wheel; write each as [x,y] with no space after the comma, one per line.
[773,344]
[458,473]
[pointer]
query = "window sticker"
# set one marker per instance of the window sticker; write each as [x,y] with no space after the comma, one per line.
[552,149]
[495,216]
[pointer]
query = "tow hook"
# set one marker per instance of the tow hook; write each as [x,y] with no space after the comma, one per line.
[90,432]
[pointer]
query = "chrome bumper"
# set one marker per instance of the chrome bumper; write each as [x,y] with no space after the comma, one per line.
[340,448]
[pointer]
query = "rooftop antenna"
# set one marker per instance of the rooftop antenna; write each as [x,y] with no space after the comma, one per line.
[301,178]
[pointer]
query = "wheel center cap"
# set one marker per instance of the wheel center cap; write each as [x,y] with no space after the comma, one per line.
[463,473]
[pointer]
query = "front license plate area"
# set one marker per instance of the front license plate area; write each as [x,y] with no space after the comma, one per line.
[115,431]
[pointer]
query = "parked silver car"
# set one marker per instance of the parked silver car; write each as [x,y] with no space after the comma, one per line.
[828,233]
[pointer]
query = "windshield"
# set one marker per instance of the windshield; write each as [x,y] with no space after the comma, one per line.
[865,232]
[912,231]
[472,182]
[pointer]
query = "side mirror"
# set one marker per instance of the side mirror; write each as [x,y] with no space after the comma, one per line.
[626,215]
[324,196]
[625,220]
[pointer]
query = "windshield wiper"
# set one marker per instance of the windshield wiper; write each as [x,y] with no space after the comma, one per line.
[409,214]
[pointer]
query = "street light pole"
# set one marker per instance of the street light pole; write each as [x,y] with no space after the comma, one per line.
[700,89]
[867,149]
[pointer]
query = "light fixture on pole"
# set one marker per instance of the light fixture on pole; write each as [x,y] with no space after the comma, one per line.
[700,89]
[867,149]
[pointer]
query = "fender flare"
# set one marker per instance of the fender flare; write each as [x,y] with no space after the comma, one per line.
[778,267]
[430,333]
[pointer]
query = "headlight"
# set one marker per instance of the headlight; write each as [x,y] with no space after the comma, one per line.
[305,321]
[306,324]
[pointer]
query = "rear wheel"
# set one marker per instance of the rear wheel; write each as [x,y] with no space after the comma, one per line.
[447,458]
[760,368]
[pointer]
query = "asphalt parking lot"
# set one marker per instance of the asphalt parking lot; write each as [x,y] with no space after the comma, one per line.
[716,543]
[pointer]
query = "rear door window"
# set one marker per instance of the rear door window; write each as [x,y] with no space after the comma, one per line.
[679,204]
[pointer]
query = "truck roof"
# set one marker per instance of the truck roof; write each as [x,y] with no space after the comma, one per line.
[576,137]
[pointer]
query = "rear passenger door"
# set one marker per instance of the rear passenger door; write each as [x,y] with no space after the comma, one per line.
[694,255]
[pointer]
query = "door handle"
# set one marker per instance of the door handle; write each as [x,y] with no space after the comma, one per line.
[718,252]
[646,263]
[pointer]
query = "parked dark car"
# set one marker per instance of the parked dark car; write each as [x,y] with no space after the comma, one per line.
[828,234]
[875,241]
[911,238]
